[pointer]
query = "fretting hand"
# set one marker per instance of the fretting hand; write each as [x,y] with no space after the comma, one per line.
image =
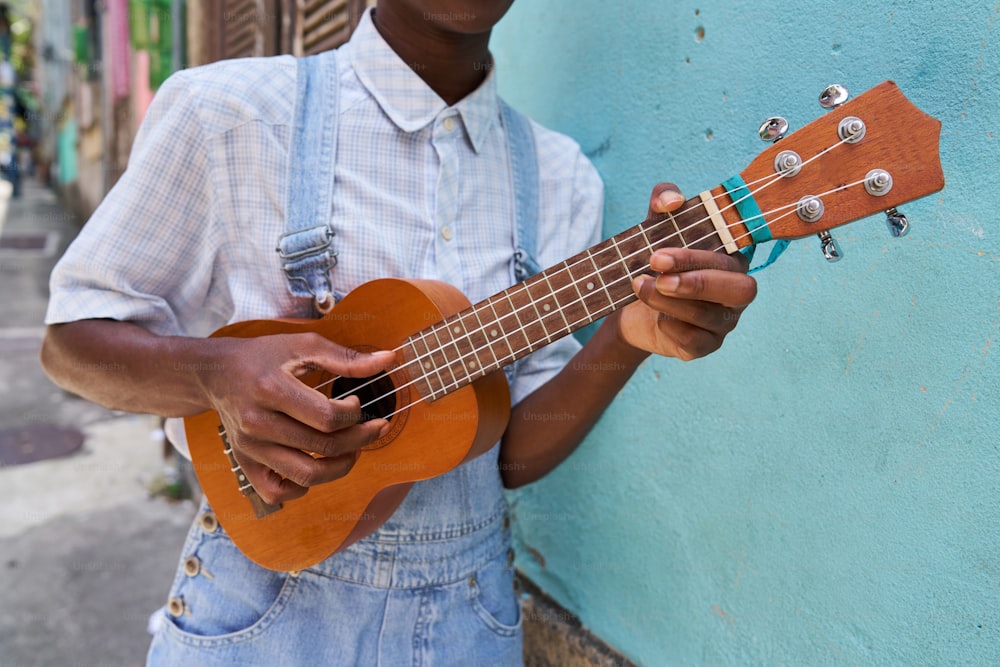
[696,299]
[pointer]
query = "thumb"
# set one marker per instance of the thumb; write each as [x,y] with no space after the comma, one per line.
[664,198]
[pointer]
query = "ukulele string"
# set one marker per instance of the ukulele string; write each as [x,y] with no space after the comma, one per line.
[622,301]
[615,305]
[767,180]
[574,281]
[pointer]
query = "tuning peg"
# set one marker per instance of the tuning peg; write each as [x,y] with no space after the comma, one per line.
[831,249]
[773,129]
[897,223]
[833,96]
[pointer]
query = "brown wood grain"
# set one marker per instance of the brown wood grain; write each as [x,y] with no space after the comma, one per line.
[435,437]
[900,139]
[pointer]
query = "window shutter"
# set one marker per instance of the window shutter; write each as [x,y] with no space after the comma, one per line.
[242,28]
[326,24]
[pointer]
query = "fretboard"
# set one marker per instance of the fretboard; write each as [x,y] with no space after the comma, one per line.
[549,305]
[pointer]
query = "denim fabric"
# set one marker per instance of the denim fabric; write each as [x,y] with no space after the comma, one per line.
[395,598]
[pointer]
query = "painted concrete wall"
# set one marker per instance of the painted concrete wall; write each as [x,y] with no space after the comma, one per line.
[826,488]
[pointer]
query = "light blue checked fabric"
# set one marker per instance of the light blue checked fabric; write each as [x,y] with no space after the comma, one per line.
[184,243]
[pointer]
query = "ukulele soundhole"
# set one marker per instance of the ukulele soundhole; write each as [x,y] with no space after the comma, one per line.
[377,395]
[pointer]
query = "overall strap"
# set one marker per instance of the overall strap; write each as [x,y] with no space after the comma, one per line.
[306,257]
[523,160]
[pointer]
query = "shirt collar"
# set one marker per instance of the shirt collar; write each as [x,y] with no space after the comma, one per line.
[405,98]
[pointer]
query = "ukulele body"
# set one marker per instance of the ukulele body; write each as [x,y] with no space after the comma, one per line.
[426,439]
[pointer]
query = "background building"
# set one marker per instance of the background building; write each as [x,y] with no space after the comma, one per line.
[824,490]
[102,61]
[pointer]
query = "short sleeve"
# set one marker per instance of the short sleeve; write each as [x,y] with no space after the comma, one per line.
[572,215]
[147,253]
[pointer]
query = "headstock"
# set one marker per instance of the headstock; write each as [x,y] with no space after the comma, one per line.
[868,155]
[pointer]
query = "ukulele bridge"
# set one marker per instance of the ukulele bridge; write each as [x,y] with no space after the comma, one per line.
[260,508]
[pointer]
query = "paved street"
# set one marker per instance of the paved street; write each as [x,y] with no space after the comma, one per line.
[86,555]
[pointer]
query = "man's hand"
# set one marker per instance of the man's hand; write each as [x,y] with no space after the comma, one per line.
[273,419]
[697,298]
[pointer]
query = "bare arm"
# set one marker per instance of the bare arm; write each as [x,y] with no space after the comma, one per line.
[273,419]
[122,366]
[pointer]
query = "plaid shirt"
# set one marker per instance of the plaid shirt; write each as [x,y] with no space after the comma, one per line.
[184,243]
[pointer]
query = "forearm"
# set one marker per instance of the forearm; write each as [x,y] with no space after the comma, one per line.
[122,366]
[548,425]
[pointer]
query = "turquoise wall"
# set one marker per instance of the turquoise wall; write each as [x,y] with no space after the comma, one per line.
[826,488]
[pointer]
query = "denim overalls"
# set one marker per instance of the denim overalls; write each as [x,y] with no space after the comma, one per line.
[434,585]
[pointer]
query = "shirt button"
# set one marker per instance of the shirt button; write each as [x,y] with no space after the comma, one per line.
[446,233]
[449,124]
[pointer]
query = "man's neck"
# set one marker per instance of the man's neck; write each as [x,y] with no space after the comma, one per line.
[452,64]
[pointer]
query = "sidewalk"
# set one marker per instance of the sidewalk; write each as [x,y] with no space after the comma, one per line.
[85,554]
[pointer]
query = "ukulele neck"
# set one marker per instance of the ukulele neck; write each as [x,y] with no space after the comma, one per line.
[551,304]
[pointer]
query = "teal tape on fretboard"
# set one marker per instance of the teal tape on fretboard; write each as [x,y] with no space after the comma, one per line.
[747,207]
[753,218]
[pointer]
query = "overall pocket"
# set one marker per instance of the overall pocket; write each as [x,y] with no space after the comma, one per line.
[492,596]
[219,596]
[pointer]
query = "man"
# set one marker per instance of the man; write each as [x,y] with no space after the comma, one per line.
[185,243]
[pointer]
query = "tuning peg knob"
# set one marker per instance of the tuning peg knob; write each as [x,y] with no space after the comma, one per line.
[831,249]
[833,96]
[897,223]
[773,129]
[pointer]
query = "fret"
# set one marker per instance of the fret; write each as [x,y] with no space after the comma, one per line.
[425,360]
[696,220]
[481,342]
[412,369]
[530,326]
[572,305]
[511,323]
[581,301]
[497,336]
[539,318]
[463,363]
[633,251]
[437,330]
[649,246]
[597,300]
[599,276]
[478,359]
[680,235]
[459,334]
[615,276]
[621,257]
[558,307]
[689,227]
[548,307]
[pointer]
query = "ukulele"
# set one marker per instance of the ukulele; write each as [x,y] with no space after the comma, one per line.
[447,400]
